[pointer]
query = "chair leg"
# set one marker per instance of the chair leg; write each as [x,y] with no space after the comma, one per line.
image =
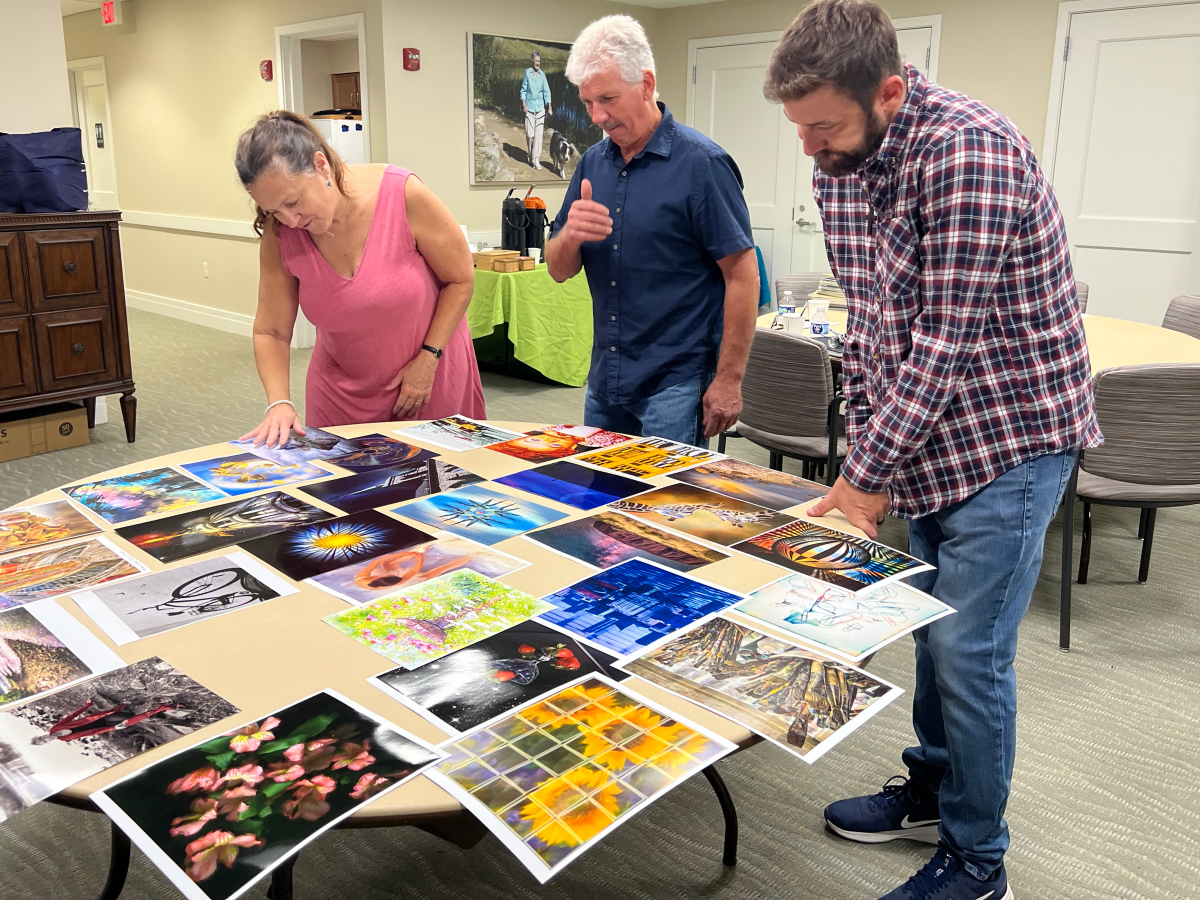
[1085,543]
[728,810]
[118,865]
[281,881]
[1068,528]
[1147,543]
[1142,524]
[776,462]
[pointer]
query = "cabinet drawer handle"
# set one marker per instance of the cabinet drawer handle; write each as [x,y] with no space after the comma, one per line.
[68,267]
[78,349]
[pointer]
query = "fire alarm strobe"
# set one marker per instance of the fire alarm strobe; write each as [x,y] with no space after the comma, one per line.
[412,59]
[266,70]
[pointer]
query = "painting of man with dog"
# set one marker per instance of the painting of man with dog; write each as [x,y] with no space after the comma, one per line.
[527,121]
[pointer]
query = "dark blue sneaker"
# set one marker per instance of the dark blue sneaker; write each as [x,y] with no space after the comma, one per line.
[900,810]
[944,878]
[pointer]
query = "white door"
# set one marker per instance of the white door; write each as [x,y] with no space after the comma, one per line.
[730,108]
[1126,163]
[91,116]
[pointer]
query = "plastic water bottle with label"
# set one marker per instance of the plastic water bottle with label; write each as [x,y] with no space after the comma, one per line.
[818,317]
[787,304]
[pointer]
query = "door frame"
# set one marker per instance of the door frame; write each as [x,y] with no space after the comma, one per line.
[1058,71]
[762,37]
[287,52]
[79,65]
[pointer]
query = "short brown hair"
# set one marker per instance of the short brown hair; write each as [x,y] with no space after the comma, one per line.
[282,139]
[847,44]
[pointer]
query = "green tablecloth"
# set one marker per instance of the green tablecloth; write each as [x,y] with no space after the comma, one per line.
[549,324]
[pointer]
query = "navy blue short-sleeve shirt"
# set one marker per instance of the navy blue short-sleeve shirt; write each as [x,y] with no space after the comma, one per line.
[658,295]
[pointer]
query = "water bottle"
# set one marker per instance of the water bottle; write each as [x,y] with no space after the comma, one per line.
[818,317]
[787,304]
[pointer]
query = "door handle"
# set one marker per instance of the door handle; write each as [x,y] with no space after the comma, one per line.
[803,222]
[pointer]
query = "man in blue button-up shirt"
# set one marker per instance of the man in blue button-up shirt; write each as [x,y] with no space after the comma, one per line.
[656,218]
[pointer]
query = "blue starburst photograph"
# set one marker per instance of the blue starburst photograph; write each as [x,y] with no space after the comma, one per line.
[628,607]
[480,514]
[309,550]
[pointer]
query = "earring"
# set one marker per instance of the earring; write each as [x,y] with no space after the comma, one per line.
[328,183]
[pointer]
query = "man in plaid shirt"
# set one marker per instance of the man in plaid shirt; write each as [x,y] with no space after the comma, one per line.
[968,397]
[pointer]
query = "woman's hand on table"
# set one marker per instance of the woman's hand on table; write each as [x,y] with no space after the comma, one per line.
[277,427]
[415,382]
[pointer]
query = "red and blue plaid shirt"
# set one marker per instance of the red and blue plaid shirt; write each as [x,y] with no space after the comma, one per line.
[965,353]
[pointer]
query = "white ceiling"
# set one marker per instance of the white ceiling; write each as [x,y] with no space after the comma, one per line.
[70,7]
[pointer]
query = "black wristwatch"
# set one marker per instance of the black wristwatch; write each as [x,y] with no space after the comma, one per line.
[437,354]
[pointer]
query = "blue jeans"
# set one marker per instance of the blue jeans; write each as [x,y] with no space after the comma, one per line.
[988,551]
[675,413]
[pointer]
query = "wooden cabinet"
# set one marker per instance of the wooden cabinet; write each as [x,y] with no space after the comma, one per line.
[64,334]
[345,90]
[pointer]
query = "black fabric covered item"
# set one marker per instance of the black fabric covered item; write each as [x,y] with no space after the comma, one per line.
[42,172]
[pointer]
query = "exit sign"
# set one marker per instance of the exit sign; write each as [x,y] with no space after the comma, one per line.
[110,12]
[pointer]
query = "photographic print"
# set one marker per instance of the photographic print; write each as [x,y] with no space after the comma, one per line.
[375,488]
[308,550]
[559,441]
[247,473]
[702,514]
[178,537]
[314,444]
[62,570]
[628,607]
[754,484]
[647,457]
[376,451]
[574,485]
[218,817]
[423,623]
[43,648]
[607,538]
[803,702]
[526,116]
[480,514]
[172,598]
[831,556]
[383,575]
[554,777]
[476,684]
[44,523]
[457,433]
[60,738]
[840,622]
[142,494]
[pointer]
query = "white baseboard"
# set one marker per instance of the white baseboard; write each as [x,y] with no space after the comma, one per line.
[222,320]
[101,410]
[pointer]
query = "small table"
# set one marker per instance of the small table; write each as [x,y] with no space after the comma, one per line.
[549,324]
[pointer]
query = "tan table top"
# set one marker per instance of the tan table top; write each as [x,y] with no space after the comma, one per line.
[265,657]
[1111,342]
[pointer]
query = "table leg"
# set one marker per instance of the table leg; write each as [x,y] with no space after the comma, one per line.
[118,865]
[728,811]
[281,881]
[89,403]
[129,414]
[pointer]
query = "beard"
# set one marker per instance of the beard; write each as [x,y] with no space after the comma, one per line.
[836,163]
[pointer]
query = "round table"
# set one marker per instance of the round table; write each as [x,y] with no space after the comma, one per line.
[230,656]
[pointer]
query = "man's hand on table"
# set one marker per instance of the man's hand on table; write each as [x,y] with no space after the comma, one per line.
[864,510]
[722,405]
[587,220]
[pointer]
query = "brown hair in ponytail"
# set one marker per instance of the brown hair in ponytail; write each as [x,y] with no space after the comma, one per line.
[282,138]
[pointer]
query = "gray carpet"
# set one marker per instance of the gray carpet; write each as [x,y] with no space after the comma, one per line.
[1106,799]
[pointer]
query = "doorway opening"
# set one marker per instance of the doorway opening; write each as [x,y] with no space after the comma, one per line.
[90,114]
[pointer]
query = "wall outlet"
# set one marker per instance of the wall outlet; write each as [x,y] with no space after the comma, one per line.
[205,267]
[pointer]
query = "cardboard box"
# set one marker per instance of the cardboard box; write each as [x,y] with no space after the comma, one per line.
[48,428]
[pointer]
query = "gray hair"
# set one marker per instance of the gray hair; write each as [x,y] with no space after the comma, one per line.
[612,41]
[534,55]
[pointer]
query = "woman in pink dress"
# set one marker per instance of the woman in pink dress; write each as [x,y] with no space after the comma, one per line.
[378,265]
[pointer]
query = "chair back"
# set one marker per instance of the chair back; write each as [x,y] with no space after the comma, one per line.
[1183,314]
[1081,291]
[801,285]
[788,385]
[1150,416]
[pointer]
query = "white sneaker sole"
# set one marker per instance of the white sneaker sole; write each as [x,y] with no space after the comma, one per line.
[926,834]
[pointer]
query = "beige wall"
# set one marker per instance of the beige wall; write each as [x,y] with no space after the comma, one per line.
[182,87]
[34,92]
[314,61]
[343,56]
[998,51]
[428,117]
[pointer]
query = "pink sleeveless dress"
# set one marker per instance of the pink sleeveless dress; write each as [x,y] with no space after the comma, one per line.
[370,326]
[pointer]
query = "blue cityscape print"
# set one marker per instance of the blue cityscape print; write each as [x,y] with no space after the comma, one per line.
[628,607]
